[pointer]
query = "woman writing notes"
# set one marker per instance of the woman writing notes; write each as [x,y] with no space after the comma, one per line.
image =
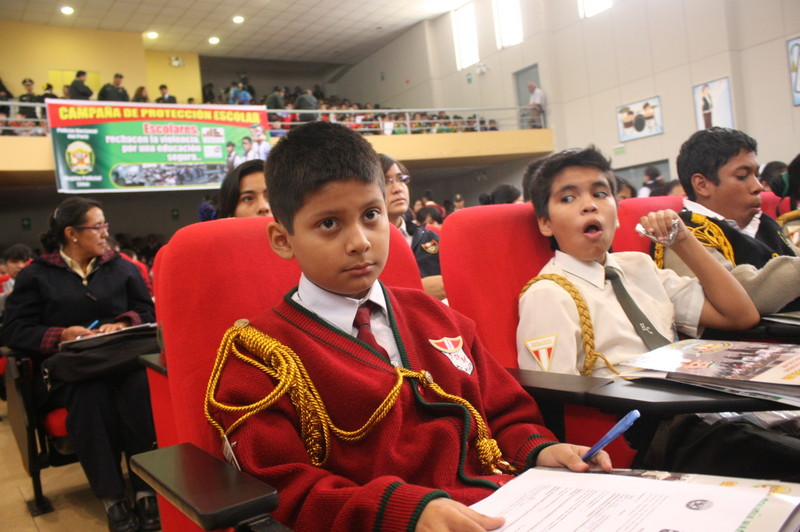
[80,280]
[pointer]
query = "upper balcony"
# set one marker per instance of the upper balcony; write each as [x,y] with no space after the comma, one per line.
[421,138]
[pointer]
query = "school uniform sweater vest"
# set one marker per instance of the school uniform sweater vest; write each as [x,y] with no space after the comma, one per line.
[421,450]
[767,244]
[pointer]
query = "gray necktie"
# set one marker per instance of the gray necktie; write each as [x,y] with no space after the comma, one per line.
[644,328]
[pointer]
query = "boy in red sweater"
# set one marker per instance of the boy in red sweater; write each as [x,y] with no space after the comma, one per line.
[397,429]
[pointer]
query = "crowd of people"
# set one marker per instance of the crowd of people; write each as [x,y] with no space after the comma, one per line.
[285,108]
[717,265]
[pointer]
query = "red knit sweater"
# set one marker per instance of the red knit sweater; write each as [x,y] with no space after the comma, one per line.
[423,449]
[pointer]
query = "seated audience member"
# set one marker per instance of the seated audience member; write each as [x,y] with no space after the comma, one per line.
[672,188]
[624,189]
[131,256]
[435,431]
[429,216]
[632,308]
[527,177]
[16,257]
[573,196]
[718,169]
[427,201]
[653,180]
[790,221]
[78,282]
[424,243]
[458,202]
[501,194]
[771,179]
[244,192]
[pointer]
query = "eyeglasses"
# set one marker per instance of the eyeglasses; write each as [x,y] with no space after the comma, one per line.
[99,228]
[401,178]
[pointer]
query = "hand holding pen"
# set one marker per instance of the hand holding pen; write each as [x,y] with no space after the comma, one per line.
[615,432]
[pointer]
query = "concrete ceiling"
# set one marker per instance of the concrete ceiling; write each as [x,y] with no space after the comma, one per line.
[334,32]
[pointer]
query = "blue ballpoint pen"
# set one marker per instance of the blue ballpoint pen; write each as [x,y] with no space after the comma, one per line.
[615,432]
[93,325]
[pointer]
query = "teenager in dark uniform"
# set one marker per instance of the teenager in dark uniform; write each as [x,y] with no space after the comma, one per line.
[424,243]
[718,169]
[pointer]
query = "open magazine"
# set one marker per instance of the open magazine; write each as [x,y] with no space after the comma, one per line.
[754,369]
[790,318]
[100,338]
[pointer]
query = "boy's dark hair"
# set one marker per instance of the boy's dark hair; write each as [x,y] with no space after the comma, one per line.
[17,252]
[504,193]
[621,183]
[162,86]
[311,156]
[229,191]
[707,151]
[71,212]
[80,73]
[527,177]
[433,212]
[553,165]
[772,175]
[652,172]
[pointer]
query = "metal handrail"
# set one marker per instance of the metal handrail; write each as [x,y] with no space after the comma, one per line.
[380,121]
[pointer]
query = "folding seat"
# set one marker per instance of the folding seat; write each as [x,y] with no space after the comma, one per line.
[488,254]
[41,436]
[209,275]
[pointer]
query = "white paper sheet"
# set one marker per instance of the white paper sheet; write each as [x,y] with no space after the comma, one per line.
[557,500]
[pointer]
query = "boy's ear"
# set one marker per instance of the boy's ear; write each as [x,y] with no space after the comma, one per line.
[702,186]
[544,226]
[279,240]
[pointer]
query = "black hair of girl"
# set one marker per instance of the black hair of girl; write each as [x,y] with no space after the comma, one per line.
[71,212]
[501,194]
[229,192]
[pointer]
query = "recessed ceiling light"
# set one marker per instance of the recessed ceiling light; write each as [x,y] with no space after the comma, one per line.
[213,40]
[152,35]
[238,19]
[67,10]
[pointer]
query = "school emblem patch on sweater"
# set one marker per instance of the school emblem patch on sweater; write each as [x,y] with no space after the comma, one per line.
[452,348]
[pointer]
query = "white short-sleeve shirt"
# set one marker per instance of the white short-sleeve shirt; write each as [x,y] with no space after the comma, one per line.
[549,334]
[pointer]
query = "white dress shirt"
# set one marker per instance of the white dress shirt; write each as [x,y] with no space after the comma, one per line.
[340,311]
[750,229]
[548,317]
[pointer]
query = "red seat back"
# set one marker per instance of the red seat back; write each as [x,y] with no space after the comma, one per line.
[487,255]
[209,275]
[630,211]
[774,206]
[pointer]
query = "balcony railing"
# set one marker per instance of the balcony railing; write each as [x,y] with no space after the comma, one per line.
[29,119]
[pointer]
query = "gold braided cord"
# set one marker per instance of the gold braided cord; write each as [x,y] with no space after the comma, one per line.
[790,216]
[584,318]
[658,255]
[290,376]
[711,235]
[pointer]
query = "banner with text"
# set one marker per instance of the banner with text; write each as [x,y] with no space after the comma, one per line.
[133,147]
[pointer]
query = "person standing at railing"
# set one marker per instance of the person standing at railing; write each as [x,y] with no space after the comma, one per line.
[29,97]
[78,89]
[538,104]
[114,91]
[306,100]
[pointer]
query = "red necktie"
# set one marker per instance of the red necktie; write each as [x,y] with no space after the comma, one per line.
[362,324]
